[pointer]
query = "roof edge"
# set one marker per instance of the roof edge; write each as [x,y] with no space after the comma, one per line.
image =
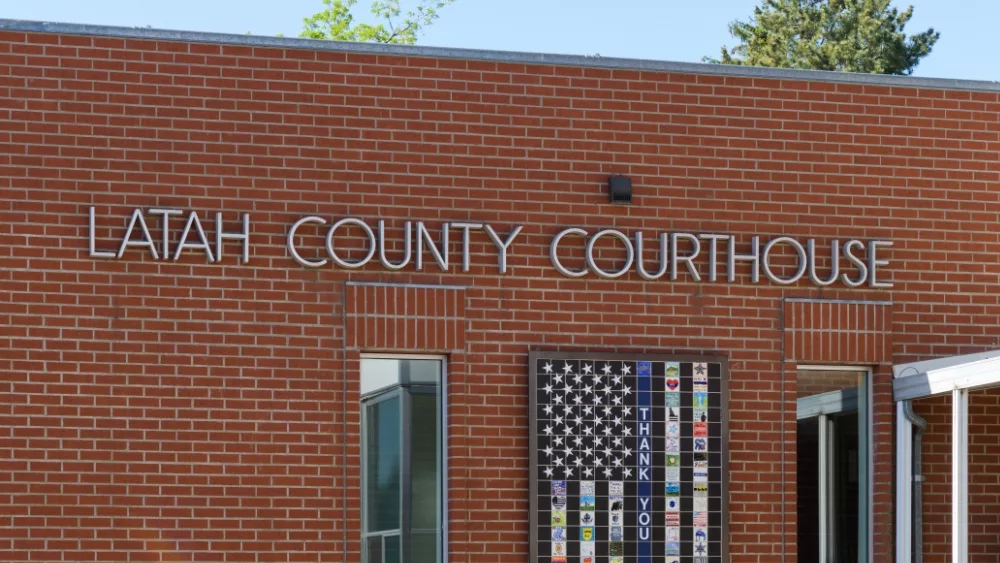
[497,56]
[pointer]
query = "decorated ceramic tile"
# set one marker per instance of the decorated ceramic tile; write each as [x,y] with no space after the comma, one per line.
[700,540]
[700,400]
[671,370]
[558,548]
[616,507]
[673,539]
[699,373]
[700,430]
[673,385]
[672,445]
[672,429]
[616,489]
[700,503]
[623,459]
[701,444]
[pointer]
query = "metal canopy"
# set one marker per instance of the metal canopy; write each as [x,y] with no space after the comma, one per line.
[956,376]
[944,375]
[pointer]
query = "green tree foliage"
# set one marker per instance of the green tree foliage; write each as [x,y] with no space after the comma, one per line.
[336,22]
[844,35]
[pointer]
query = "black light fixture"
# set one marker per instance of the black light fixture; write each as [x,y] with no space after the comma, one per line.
[620,189]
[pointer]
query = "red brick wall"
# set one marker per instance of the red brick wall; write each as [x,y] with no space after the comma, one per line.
[197,412]
[984,477]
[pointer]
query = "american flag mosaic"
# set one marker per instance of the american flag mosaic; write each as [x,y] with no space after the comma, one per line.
[628,460]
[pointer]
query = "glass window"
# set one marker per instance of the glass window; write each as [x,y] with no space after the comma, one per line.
[383,467]
[834,476]
[402,458]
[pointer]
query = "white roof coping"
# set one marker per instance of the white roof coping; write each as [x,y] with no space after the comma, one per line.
[501,56]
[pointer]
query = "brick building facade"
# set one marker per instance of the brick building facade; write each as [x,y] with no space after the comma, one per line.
[187,410]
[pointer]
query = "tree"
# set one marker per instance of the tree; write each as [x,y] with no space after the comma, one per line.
[336,22]
[844,35]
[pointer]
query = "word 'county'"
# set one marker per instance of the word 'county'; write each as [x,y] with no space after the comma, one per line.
[418,232]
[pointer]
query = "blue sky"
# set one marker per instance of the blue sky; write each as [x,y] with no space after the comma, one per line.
[649,29]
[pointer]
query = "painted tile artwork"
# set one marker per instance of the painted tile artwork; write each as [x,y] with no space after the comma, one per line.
[629,460]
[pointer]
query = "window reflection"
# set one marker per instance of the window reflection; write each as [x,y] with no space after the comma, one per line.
[402,459]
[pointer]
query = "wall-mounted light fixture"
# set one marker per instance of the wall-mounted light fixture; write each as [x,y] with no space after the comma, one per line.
[620,189]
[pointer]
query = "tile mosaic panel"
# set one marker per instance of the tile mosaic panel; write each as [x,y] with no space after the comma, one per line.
[629,460]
